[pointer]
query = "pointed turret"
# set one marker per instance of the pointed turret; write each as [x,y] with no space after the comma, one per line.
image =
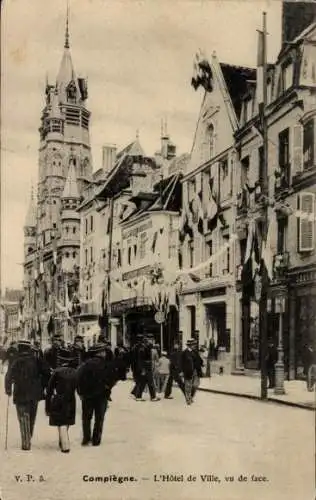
[71,191]
[67,84]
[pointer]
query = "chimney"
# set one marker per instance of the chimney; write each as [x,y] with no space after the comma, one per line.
[108,157]
[296,17]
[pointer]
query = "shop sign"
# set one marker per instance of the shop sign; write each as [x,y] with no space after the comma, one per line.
[159,317]
[135,232]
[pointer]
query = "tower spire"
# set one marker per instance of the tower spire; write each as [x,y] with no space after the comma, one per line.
[67,28]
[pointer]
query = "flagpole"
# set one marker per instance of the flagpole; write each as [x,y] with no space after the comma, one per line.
[111,210]
[263,315]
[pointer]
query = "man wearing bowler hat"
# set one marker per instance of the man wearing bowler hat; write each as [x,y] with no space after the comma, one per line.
[95,379]
[29,375]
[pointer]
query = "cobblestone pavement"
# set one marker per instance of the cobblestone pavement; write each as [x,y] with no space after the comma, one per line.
[218,436]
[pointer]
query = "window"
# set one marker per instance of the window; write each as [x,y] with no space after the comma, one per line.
[86,226]
[119,257]
[211,141]
[67,229]
[244,170]
[306,222]
[74,255]
[74,230]
[90,290]
[209,245]
[91,223]
[86,256]
[281,236]
[91,254]
[224,188]
[87,293]
[54,225]
[142,247]
[172,250]
[261,165]
[287,75]
[191,252]
[308,144]
[226,269]
[284,158]
[129,256]
[67,255]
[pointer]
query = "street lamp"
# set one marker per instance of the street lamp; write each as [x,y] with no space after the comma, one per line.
[279,366]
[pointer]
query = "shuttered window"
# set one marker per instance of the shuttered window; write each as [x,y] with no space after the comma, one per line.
[306,222]
[308,144]
[297,152]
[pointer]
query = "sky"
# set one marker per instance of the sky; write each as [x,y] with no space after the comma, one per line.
[138,58]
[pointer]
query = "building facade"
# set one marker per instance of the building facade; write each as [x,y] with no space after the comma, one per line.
[52,226]
[291,111]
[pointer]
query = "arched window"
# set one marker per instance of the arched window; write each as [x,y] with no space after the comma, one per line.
[211,140]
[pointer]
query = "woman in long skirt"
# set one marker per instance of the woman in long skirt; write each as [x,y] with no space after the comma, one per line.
[60,398]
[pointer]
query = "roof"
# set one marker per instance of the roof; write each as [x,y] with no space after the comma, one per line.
[66,74]
[237,81]
[71,187]
[133,149]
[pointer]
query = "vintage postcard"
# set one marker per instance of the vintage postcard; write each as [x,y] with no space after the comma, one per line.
[158,262]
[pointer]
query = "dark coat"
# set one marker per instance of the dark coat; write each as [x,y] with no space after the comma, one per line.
[175,361]
[60,401]
[79,354]
[11,354]
[96,377]
[29,375]
[198,363]
[51,356]
[187,363]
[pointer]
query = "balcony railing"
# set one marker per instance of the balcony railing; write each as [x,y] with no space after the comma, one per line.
[281,262]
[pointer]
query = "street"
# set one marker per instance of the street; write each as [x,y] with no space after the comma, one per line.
[161,447]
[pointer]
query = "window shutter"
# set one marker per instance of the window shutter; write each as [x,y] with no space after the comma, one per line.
[306,222]
[297,153]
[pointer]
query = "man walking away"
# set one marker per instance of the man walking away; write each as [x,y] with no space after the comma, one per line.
[175,371]
[271,359]
[79,350]
[95,379]
[146,371]
[198,371]
[51,353]
[29,376]
[188,368]
[60,403]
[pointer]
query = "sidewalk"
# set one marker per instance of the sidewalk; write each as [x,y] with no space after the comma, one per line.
[295,395]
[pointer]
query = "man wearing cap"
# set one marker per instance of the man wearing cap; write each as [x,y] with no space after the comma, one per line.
[29,375]
[95,379]
[188,364]
[51,353]
[79,350]
[175,370]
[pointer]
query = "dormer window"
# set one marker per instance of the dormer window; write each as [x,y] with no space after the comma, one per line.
[71,92]
[286,76]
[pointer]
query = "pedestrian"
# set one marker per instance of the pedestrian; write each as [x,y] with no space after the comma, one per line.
[163,370]
[79,350]
[135,364]
[29,376]
[189,370]
[155,356]
[38,353]
[3,354]
[271,359]
[175,371]
[60,404]
[51,353]
[146,371]
[95,379]
[198,369]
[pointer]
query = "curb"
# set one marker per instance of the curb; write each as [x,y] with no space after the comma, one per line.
[257,398]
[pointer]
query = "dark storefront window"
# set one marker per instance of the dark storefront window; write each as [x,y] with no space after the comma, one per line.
[305,330]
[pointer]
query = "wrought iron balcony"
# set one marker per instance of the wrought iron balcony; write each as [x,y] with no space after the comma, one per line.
[281,262]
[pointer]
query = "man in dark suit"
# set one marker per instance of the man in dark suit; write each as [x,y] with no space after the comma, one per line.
[51,353]
[95,379]
[146,375]
[188,363]
[29,375]
[175,370]
[78,350]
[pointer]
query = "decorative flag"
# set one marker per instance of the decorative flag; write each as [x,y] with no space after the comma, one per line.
[260,77]
[267,253]
[154,242]
[212,209]
[202,73]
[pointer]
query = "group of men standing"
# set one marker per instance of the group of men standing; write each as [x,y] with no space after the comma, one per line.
[185,368]
[55,376]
